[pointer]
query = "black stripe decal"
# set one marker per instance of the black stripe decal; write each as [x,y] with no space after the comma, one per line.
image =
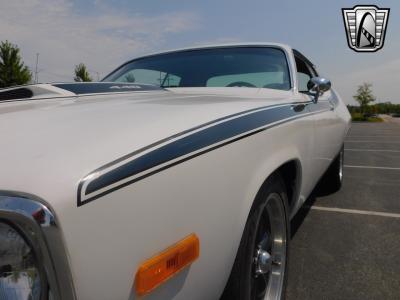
[189,146]
[162,141]
[191,143]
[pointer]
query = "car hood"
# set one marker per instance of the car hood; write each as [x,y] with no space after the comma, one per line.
[48,145]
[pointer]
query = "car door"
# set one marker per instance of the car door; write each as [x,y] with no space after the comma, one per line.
[327,126]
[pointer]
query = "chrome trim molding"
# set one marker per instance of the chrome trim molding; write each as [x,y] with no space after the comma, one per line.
[35,219]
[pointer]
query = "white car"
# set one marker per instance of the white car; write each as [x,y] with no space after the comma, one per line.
[174,178]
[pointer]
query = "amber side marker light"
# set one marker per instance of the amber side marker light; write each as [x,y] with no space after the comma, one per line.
[166,264]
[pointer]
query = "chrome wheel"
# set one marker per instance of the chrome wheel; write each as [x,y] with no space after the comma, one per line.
[261,260]
[269,260]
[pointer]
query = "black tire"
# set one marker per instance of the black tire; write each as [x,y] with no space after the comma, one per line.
[247,278]
[332,180]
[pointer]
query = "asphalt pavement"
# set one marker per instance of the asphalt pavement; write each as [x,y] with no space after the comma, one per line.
[347,245]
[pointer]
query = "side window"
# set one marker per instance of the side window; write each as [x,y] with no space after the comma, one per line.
[304,74]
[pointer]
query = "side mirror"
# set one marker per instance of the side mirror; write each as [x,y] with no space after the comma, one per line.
[318,86]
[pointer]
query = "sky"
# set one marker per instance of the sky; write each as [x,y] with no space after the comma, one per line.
[104,34]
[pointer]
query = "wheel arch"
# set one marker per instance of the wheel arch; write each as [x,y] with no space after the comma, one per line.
[290,170]
[290,173]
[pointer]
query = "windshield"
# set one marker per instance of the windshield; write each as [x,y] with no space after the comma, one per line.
[257,67]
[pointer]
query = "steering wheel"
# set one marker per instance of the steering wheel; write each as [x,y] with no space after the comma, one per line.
[240,84]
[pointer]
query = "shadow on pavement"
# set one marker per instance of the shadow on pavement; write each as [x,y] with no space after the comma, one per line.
[299,218]
[321,190]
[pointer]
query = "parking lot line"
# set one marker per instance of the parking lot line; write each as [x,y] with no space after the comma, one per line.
[380,142]
[356,211]
[374,136]
[372,150]
[381,135]
[371,167]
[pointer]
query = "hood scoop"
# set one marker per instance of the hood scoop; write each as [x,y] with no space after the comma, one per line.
[18,93]
[31,92]
[59,90]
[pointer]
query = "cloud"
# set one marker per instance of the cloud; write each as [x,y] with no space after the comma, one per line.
[102,39]
[220,40]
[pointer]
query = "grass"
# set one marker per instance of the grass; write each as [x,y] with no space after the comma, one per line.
[358,117]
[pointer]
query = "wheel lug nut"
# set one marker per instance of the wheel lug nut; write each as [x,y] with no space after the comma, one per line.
[263,262]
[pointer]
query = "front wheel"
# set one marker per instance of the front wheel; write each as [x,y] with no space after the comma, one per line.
[259,271]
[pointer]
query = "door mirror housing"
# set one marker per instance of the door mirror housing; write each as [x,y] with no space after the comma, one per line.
[317,86]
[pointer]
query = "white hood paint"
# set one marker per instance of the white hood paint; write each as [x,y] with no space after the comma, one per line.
[65,139]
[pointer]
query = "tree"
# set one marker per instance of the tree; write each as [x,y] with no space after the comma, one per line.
[82,74]
[364,96]
[12,68]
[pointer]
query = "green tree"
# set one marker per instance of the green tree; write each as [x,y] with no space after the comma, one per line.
[12,68]
[82,74]
[364,96]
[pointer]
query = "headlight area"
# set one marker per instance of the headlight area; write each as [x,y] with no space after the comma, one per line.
[20,275]
[33,260]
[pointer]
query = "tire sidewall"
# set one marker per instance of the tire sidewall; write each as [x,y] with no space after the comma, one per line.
[274,185]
